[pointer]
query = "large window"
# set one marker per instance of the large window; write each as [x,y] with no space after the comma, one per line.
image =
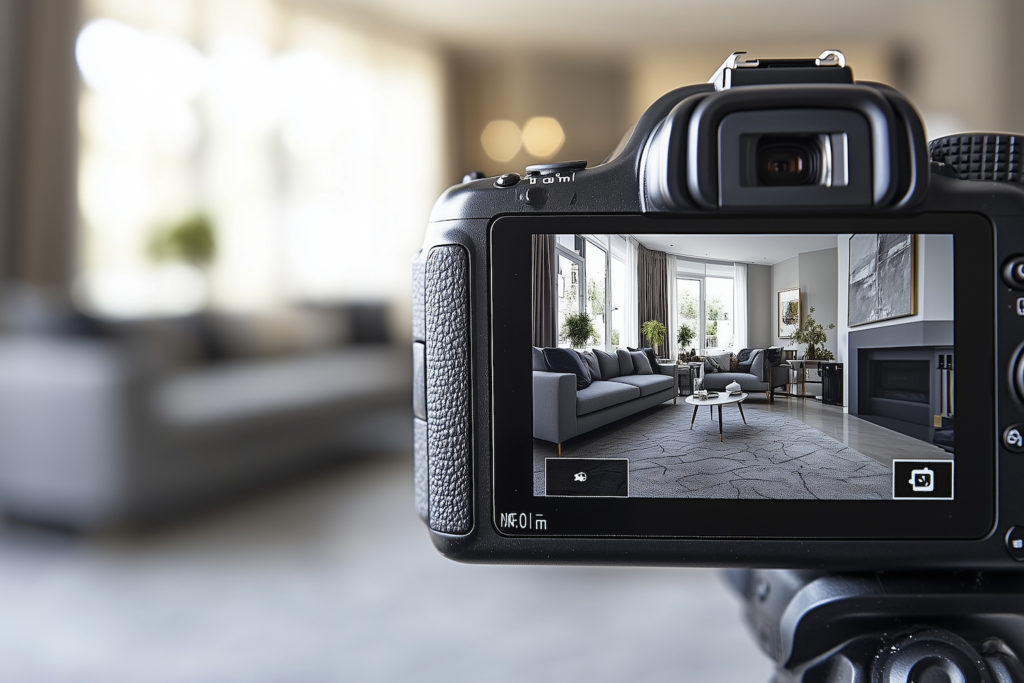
[592,280]
[276,123]
[705,305]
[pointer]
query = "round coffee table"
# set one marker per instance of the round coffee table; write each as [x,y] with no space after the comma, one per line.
[721,400]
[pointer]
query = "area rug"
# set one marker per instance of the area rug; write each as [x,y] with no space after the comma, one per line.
[773,456]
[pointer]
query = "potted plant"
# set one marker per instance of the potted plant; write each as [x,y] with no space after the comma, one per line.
[812,333]
[685,336]
[189,243]
[578,329]
[654,332]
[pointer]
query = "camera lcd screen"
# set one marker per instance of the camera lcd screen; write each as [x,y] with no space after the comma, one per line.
[779,378]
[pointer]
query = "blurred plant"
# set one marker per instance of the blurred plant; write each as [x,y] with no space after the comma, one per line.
[578,329]
[191,240]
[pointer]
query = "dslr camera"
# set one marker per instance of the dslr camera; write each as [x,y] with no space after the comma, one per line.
[775,328]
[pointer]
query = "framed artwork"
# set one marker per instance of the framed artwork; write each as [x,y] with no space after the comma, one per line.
[789,312]
[882,278]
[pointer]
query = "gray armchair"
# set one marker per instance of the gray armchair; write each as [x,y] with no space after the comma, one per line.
[762,376]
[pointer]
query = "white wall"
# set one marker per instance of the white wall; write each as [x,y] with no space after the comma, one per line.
[814,272]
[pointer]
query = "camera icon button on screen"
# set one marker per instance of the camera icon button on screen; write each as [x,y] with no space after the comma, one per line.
[922,479]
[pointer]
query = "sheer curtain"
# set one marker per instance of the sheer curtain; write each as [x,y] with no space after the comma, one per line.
[632,320]
[739,297]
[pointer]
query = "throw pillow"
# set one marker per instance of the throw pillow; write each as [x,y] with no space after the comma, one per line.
[592,365]
[744,355]
[749,358]
[608,363]
[641,365]
[625,362]
[651,356]
[711,365]
[538,359]
[567,360]
[732,362]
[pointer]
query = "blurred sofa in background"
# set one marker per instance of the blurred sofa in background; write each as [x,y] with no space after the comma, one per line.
[103,423]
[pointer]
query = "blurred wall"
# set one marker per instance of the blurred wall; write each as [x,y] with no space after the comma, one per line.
[585,95]
[38,140]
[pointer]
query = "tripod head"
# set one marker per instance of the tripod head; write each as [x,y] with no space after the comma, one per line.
[884,628]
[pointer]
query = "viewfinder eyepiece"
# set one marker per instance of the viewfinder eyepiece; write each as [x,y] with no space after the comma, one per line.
[789,160]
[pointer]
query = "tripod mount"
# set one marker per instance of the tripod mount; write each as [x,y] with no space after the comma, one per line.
[884,628]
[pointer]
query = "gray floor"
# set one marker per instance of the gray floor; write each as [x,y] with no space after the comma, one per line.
[335,579]
[789,449]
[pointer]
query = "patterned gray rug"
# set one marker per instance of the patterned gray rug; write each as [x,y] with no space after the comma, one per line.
[772,456]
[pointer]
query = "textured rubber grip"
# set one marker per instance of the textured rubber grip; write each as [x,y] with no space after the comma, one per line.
[981,156]
[449,390]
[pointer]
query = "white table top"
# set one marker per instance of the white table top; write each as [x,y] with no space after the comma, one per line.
[723,398]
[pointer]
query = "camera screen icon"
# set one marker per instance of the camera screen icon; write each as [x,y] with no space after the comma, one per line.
[922,480]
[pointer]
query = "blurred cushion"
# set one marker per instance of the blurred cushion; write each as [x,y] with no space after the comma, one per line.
[538,359]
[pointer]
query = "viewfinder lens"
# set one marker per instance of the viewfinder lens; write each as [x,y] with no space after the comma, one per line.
[788,161]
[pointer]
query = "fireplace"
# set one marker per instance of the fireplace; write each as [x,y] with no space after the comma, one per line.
[905,388]
[900,380]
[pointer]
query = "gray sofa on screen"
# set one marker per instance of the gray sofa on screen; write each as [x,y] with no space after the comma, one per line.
[560,412]
[756,374]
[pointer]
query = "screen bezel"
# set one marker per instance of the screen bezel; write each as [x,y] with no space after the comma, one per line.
[970,514]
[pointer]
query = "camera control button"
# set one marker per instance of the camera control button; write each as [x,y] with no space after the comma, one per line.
[544,169]
[536,196]
[1015,543]
[507,180]
[1013,272]
[1013,438]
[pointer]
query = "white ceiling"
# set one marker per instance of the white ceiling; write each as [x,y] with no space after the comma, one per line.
[759,249]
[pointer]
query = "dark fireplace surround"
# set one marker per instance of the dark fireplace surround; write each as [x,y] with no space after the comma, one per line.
[895,376]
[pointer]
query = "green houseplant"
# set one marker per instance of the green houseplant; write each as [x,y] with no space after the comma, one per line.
[685,336]
[654,332]
[578,329]
[812,333]
[191,240]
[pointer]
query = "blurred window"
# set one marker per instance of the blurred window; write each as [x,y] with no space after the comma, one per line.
[287,129]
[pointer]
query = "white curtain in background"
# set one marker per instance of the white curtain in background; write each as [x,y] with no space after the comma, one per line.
[673,306]
[629,335]
[739,297]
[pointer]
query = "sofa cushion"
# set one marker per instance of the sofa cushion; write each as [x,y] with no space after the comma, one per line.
[652,357]
[608,363]
[567,360]
[718,363]
[601,394]
[748,359]
[641,365]
[648,384]
[538,359]
[625,362]
[591,360]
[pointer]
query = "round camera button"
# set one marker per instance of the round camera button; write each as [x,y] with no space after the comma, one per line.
[1013,272]
[507,180]
[1015,543]
[1013,438]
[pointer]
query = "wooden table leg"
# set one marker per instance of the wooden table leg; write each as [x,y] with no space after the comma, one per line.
[694,417]
[740,406]
[720,436]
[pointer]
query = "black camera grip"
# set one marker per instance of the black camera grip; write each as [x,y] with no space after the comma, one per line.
[444,442]
[981,156]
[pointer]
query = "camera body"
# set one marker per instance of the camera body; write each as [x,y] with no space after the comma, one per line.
[777,182]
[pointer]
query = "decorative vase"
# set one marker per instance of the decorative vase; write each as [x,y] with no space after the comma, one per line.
[733,387]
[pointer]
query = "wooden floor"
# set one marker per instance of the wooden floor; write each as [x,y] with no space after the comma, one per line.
[884,445]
